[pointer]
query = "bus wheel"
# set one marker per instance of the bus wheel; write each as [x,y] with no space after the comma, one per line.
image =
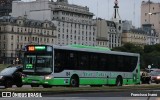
[19,85]
[74,82]
[119,81]
[34,85]
[47,86]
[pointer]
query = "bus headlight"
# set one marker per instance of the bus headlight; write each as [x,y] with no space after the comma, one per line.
[48,77]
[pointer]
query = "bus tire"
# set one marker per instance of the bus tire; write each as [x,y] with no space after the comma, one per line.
[119,81]
[74,81]
[34,85]
[19,85]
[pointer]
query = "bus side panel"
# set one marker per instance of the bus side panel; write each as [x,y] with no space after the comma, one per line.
[127,81]
[92,81]
[61,81]
[111,81]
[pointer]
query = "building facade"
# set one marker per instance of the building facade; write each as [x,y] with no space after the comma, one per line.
[115,39]
[74,23]
[109,32]
[5,7]
[152,35]
[141,36]
[15,33]
[136,36]
[153,18]
[102,33]
[113,36]
[126,25]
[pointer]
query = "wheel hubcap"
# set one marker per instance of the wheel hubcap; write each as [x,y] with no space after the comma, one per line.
[73,82]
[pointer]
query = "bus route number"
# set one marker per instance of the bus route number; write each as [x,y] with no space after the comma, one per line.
[67,73]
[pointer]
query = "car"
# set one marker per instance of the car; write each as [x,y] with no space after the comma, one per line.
[155,76]
[150,70]
[11,76]
[145,77]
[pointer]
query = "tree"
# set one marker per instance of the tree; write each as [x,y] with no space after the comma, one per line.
[129,47]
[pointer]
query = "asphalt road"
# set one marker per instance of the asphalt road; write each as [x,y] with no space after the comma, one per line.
[137,94]
[127,95]
[28,86]
[84,98]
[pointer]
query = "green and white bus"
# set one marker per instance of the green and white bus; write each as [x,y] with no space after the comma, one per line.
[79,65]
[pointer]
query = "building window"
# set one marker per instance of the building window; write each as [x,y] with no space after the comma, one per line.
[12,46]
[4,55]
[11,54]
[33,38]
[17,46]
[12,29]
[4,37]
[12,37]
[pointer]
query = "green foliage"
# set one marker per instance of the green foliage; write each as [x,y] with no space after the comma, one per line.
[129,47]
[149,55]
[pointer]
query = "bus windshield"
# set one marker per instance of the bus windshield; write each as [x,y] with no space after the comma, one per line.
[38,63]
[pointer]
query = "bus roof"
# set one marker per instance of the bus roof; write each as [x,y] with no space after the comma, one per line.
[94,49]
[89,47]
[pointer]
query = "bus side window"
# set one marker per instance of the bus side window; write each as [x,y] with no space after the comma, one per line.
[102,62]
[111,62]
[120,65]
[133,63]
[93,61]
[71,60]
[83,61]
[59,60]
[127,63]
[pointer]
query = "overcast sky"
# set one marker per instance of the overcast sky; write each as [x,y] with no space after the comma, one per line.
[104,8]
